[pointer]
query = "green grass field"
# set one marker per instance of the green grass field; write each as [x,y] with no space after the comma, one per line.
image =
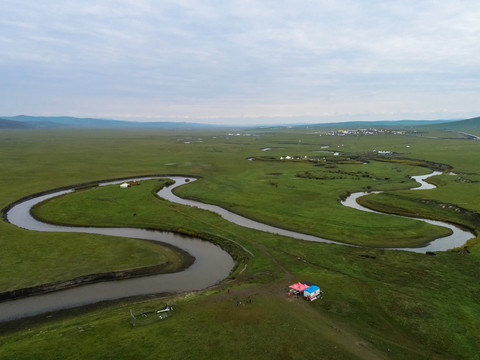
[378,304]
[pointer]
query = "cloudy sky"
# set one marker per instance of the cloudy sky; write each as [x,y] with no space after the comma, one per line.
[211,60]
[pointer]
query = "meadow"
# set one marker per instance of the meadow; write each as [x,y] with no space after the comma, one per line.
[378,304]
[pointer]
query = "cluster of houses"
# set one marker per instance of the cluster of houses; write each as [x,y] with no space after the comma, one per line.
[308,290]
[371,131]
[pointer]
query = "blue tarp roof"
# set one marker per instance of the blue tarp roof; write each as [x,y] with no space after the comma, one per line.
[312,289]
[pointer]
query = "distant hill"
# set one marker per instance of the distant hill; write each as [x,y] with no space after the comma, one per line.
[351,125]
[468,124]
[11,124]
[73,122]
[464,126]
[381,123]
[24,121]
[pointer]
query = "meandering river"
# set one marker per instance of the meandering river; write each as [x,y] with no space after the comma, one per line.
[457,238]
[211,265]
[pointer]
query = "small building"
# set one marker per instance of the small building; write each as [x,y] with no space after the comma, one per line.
[312,293]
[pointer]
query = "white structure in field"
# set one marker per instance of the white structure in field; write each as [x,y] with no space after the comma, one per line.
[312,292]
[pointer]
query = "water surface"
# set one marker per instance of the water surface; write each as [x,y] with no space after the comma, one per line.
[212,265]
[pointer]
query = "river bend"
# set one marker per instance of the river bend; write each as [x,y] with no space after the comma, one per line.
[211,265]
[458,237]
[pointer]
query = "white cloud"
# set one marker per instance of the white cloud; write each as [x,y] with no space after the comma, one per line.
[217,58]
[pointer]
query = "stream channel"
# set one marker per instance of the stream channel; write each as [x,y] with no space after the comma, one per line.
[212,264]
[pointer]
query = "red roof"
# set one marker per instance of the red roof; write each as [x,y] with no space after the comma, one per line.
[298,286]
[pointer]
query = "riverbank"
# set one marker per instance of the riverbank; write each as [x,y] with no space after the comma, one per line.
[458,237]
[207,262]
[50,258]
[100,277]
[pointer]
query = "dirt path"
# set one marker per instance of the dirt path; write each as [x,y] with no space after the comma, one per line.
[263,248]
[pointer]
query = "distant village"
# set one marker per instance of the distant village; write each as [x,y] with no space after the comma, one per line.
[371,131]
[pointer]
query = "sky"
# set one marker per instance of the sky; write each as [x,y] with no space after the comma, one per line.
[244,62]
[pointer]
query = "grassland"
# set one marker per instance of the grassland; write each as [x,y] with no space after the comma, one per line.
[378,304]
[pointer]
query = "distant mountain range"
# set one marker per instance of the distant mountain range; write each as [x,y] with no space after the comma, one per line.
[379,123]
[12,124]
[23,121]
[29,122]
[472,125]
